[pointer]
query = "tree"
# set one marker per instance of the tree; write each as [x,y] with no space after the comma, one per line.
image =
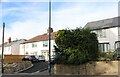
[76,46]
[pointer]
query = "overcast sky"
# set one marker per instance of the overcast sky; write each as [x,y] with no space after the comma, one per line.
[28,18]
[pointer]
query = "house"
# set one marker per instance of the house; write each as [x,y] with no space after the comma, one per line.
[108,33]
[38,45]
[11,47]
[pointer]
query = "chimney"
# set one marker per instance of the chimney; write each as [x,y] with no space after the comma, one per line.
[9,40]
[49,29]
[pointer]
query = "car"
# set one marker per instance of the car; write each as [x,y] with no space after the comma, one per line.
[31,58]
[40,58]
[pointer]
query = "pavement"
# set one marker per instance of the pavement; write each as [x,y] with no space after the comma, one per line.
[44,73]
[0,69]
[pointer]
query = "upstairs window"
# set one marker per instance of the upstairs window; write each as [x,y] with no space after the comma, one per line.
[101,33]
[34,45]
[45,43]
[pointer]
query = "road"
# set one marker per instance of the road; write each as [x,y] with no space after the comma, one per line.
[39,66]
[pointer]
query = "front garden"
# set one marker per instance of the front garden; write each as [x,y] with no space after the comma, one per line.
[77,53]
[78,46]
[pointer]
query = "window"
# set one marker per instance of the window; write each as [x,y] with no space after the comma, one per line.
[103,47]
[34,45]
[45,43]
[101,33]
[117,44]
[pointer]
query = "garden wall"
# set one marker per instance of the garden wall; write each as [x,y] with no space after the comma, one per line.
[91,68]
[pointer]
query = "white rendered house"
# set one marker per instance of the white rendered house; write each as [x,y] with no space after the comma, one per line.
[12,47]
[38,45]
[108,33]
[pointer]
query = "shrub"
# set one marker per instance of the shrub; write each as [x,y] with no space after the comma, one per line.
[76,46]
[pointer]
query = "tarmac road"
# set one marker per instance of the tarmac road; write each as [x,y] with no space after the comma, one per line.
[38,66]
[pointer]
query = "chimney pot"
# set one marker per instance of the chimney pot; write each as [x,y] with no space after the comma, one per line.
[9,40]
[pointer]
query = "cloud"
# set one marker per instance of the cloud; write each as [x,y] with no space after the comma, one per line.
[26,29]
[31,18]
[24,20]
[79,14]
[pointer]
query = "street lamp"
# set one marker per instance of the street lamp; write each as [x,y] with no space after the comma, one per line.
[3,47]
[49,29]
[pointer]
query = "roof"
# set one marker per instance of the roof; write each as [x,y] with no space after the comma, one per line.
[13,42]
[102,24]
[43,37]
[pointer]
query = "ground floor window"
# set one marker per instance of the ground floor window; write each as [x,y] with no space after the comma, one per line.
[104,47]
[117,44]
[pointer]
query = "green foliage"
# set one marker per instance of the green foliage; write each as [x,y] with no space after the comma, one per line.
[102,56]
[76,46]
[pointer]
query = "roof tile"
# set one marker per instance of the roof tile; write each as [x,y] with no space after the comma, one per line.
[43,37]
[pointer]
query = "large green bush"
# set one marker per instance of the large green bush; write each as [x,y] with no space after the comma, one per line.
[75,46]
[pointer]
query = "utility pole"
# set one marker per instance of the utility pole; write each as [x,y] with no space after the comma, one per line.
[3,46]
[49,29]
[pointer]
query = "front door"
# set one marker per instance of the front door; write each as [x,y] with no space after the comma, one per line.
[45,54]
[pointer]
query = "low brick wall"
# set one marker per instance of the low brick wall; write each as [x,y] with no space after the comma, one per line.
[10,68]
[91,68]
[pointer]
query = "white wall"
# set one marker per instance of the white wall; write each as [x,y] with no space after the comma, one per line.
[28,48]
[7,50]
[22,49]
[111,36]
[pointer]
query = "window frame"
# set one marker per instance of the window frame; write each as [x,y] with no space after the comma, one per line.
[34,45]
[45,43]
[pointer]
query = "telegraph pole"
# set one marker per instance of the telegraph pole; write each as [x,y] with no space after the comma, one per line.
[49,29]
[3,46]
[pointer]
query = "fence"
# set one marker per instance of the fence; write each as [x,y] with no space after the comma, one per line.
[13,58]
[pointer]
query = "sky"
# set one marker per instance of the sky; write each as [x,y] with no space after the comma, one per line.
[25,19]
